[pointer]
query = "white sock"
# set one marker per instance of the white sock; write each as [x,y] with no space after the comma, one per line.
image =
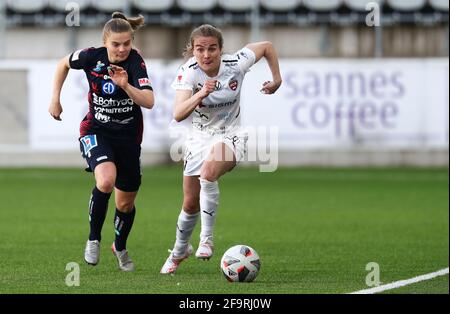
[185,226]
[209,199]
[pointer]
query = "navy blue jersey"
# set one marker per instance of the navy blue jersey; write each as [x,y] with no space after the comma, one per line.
[112,113]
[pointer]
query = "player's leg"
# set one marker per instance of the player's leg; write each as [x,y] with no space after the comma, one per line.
[123,222]
[220,161]
[127,185]
[186,222]
[105,177]
[98,207]
[99,157]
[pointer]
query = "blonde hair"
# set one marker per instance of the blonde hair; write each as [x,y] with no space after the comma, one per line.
[119,23]
[204,30]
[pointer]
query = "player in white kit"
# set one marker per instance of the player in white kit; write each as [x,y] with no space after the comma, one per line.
[208,88]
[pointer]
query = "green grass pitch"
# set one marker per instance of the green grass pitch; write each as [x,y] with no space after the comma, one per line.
[314,229]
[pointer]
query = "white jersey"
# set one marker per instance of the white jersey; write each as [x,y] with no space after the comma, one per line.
[219,113]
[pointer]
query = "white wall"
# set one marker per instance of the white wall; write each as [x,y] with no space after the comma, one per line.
[327,112]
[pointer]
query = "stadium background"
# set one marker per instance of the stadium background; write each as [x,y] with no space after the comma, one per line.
[332,62]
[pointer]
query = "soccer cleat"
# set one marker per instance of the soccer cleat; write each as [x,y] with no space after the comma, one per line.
[205,250]
[92,252]
[124,261]
[172,262]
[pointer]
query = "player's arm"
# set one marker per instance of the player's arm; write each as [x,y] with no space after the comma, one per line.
[266,49]
[142,97]
[185,102]
[62,69]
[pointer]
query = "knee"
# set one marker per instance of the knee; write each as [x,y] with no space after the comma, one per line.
[105,184]
[209,174]
[191,205]
[125,206]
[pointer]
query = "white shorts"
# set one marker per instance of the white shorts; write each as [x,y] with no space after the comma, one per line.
[198,146]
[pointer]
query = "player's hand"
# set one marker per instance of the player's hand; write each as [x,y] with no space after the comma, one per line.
[118,75]
[270,87]
[208,88]
[55,109]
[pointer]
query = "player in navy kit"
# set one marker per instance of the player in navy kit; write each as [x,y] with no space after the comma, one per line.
[111,132]
[208,88]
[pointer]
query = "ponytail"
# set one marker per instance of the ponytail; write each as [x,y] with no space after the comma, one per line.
[119,23]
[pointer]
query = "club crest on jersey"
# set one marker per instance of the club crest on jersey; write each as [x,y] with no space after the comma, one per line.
[108,88]
[99,66]
[89,142]
[233,84]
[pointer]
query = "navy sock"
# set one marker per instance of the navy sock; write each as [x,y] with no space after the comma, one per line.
[122,227]
[98,207]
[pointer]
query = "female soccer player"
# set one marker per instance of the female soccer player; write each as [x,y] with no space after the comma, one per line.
[111,132]
[208,88]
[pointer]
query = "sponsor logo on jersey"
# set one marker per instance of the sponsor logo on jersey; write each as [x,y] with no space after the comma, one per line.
[218,85]
[233,84]
[98,67]
[100,117]
[144,81]
[104,76]
[113,110]
[179,77]
[110,102]
[223,104]
[143,65]
[108,88]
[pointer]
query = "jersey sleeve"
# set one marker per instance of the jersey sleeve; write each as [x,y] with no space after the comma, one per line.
[80,58]
[138,74]
[246,58]
[184,79]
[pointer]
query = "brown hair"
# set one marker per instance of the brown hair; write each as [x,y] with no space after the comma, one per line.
[204,30]
[121,24]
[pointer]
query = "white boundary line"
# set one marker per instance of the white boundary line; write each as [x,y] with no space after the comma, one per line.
[402,283]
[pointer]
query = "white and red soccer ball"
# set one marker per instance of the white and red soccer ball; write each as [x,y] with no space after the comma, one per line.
[240,263]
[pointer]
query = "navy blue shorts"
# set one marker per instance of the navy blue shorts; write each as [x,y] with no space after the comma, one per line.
[125,155]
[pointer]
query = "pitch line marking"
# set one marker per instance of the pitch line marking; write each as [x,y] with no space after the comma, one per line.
[402,283]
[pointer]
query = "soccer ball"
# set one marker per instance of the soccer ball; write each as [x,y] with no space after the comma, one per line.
[240,263]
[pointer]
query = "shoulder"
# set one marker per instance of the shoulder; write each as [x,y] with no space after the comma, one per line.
[96,51]
[85,51]
[189,67]
[85,57]
[245,54]
[135,59]
[136,54]
[241,60]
